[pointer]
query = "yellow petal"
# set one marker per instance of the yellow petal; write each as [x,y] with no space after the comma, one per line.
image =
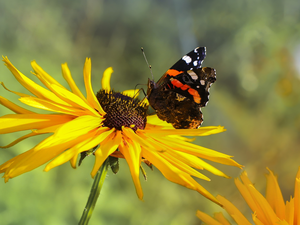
[73,161]
[95,138]
[13,107]
[17,122]
[289,211]
[106,79]
[200,164]
[90,96]
[103,133]
[256,220]
[175,175]
[132,153]
[15,92]
[134,93]
[108,146]
[19,140]
[257,203]
[233,211]
[44,77]
[71,130]
[136,137]
[31,86]
[145,101]
[274,195]
[188,159]
[220,217]
[179,145]
[283,223]
[7,164]
[68,77]
[46,130]
[50,106]
[153,120]
[182,166]
[207,219]
[185,157]
[73,99]
[297,200]
[39,156]
[202,131]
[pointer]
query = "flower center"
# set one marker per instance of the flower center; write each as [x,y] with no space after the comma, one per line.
[122,110]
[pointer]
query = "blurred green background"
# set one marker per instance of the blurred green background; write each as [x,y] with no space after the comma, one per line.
[253,45]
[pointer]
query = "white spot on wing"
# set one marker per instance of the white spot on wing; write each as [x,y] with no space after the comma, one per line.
[192,74]
[202,82]
[195,63]
[187,59]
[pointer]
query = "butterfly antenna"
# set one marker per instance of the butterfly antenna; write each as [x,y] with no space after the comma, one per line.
[147,62]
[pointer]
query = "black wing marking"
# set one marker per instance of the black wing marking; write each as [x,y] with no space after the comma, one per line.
[192,60]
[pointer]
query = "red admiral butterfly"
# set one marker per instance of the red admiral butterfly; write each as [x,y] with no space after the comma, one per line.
[179,94]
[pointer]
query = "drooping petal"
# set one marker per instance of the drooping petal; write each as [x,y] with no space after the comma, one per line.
[175,175]
[108,146]
[132,153]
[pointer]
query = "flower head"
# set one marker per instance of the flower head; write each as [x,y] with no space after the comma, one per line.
[267,210]
[116,122]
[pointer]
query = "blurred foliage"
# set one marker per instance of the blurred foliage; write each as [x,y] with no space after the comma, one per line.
[253,45]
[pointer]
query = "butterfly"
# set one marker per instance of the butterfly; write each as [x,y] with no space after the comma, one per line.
[178,96]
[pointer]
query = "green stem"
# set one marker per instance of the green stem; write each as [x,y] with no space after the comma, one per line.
[95,192]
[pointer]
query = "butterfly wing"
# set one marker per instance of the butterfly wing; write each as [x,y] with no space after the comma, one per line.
[190,61]
[194,84]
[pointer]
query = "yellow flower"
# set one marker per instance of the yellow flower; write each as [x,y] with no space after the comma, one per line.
[116,122]
[267,210]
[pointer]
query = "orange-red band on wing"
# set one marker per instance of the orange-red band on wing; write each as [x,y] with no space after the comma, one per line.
[193,92]
[173,72]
